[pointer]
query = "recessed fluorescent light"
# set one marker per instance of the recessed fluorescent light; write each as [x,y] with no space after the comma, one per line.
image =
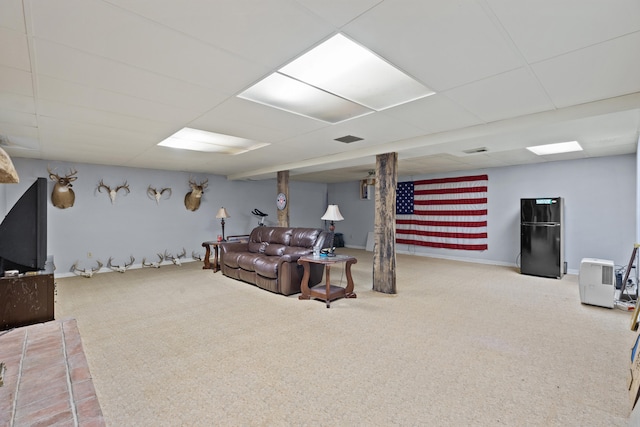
[560,147]
[209,142]
[352,81]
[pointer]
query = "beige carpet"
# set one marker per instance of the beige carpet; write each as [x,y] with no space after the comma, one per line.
[460,344]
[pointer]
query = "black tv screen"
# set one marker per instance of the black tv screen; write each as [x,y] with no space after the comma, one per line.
[23,232]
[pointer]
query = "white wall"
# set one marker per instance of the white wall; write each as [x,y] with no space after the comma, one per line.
[600,209]
[136,225]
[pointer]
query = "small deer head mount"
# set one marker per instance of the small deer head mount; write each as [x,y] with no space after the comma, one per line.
[192,198]
[113,192]
[62,195]
[157,194]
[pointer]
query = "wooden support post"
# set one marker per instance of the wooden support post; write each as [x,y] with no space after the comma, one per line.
[384,230]
[283,187]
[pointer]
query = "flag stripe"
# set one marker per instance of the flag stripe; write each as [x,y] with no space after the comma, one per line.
[450,202]
[443,213]
[452,191]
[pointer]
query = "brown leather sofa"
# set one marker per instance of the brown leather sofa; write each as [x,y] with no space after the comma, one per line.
[269,259]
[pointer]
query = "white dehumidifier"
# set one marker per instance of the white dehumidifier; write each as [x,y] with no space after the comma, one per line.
[597,282]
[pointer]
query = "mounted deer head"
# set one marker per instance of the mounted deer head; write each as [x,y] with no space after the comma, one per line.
[157,194]
[85,273]
[62,195]
[192,198]
[118,268]
[176,259]
[114,192]
[153,264]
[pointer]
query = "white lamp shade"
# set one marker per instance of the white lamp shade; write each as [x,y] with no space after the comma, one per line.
[332,214]
[222,213]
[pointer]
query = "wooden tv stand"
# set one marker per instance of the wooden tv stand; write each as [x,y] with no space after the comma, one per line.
[26,300]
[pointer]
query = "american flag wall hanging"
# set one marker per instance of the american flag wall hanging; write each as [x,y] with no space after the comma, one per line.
[446,213]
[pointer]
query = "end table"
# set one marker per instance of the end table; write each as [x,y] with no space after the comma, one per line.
[326,292]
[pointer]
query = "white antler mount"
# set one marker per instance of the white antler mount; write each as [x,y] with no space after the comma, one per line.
[176,259]
[153,264]
[120,268]
[113,192]
[156,194]
[88,273]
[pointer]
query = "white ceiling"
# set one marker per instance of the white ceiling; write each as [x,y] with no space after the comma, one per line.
[103,81]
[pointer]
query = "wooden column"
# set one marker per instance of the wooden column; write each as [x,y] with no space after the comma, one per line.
[384,230]
[283,187]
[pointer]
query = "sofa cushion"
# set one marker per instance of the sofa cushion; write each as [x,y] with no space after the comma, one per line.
[305,237]
[246,260]
[274,249]
[266,266]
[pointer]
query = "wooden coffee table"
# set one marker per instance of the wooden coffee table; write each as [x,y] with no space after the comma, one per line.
[326,292]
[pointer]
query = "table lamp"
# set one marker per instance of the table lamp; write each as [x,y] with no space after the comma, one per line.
[222,214]
[332,214]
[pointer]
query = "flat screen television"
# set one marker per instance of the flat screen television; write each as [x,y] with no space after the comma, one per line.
[23,232]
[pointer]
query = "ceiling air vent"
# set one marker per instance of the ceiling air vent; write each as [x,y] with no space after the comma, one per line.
[475,150]
[348,139]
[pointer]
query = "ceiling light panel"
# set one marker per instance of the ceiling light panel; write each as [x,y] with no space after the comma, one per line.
[347,69]
[558,148]
[336,81]
[209,142]
[288,94]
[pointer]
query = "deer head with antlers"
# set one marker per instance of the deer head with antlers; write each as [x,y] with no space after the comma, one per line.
[62,195]
[157,194]
[192,198]
[88,273]
[113,192]
[120,268]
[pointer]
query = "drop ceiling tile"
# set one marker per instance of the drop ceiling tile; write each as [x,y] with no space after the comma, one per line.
[14,81]
[22,103]
[81,68]
[443,44]
[17,118]
[67,93]
[269,33]
[543,29]
[598,72]
[247,119]
[111,32]
[511,94]
[14,51]
[436,113]
[339,12]
[103,118]
[12,16]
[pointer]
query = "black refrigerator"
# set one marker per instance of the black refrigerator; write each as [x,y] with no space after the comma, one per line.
[542,237]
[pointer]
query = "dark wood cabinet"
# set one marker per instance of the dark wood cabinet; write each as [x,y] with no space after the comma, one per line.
[26,300]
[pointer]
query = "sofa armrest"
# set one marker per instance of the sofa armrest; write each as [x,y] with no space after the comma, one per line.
[234,247]
[292,254]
